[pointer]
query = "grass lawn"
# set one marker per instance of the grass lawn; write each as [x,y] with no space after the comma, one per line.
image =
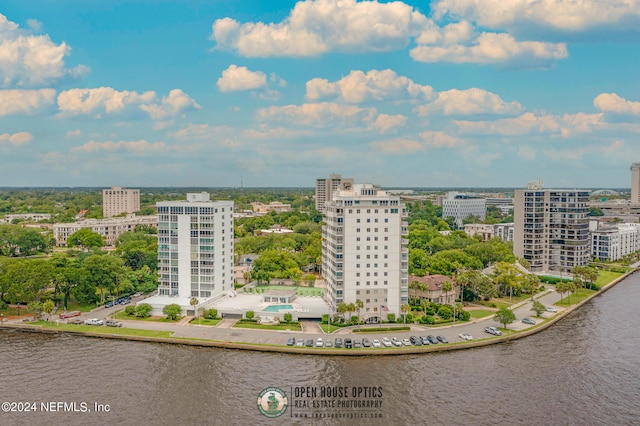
[334,327]
[121,315]
[576,297]
[103,329]
[300,291]
[495,303]
[204,321]
[75,306]
[480,313]
[605,277]
[292,327]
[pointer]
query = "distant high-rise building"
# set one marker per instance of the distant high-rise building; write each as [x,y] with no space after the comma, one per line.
[364,253]
[635,184]
[119,200]
[551,228]
[461,206]
[326,187]
[195,247]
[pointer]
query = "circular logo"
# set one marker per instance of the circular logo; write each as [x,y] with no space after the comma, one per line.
[272,402]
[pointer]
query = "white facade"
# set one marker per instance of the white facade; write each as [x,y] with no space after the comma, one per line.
[612,243]
[364,254]
[195,247]
[635,184]
[110,229]
[119,200]
[460,206]
[325,188]
[551,228]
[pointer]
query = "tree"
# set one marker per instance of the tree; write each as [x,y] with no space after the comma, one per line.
[143,310]
[342,308]
[531,283]
[211,314]
[359,305]
[504,316]
[406,308]
[48,307]
[172,311]
[193,302]
[507,277]
[478,284]
[85,238]
[249,315]
[538,308]
[105,272]
[447,286]
[445,312]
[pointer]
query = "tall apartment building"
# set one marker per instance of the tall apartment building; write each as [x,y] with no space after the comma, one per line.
[461,206]
[364,253]
[635,184]
[325,188]
[195,248]
[551,228]
[119,200]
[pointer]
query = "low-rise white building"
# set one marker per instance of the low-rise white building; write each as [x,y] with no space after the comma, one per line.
[110,229]
[460,206]
[35,217]
[504,231]
[613,242]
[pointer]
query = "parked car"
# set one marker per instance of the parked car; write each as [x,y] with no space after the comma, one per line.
[442,339]
[366,343]
[551,309]
[328,343]
[357,343]
[386,342]
[108,304]
[415,341]
[309,343]
[465,336]
[432,339]
[70,314]
[300,342]
[113,323]
[406,342]
[75,321]
[93,321]
[424,340]
[319,342]
[291,341]
[338,342]
[528,320]
[396,342]
[376,343]
[493,330]
[348,344]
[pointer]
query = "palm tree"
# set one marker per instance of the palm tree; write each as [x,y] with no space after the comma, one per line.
[425,304]
[351,308]
[359,305]
[193,302]
[341,309]
[405,309]
[447,286]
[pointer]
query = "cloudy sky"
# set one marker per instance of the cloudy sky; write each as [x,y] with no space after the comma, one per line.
[276,93]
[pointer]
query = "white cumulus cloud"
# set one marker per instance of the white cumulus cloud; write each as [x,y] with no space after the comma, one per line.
[16,139]
[325,114]
[235,79]
[316,27]
[16,101]
[140,146]
[612,103]
[385,123]
[27,59]
[494,48]
[468,102]
[176,103]
[565,15]
[375,85]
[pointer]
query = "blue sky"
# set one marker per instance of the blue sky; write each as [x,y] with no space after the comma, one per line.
[205,93]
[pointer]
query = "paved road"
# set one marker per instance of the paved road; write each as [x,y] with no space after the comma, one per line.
[311,330]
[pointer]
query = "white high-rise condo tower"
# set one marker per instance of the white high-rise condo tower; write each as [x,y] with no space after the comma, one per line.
[635,184]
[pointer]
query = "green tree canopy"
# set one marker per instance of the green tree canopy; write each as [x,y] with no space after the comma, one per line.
[85,238]
[504,316]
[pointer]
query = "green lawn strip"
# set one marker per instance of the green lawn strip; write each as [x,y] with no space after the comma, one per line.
[494,303]
[103,329]
[284,327]
[605,277]
[334,327]
[75,306]
[121,315]
[575,298]
[204,321]
[380,330]
[480,313]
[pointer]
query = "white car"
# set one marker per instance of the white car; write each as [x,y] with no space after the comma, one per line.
[376,343]
[386,342]
[93,321]
[406,342]
[493,330]
[551,309]
[319,342]
[465,336]
[396,342]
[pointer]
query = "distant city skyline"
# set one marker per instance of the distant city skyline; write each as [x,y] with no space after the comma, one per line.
[443,93]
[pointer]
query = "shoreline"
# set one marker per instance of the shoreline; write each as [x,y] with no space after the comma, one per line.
[408,350]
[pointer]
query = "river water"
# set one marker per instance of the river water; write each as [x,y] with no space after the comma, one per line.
[585,370]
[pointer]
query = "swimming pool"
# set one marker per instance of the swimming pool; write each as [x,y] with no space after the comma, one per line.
[277,308]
